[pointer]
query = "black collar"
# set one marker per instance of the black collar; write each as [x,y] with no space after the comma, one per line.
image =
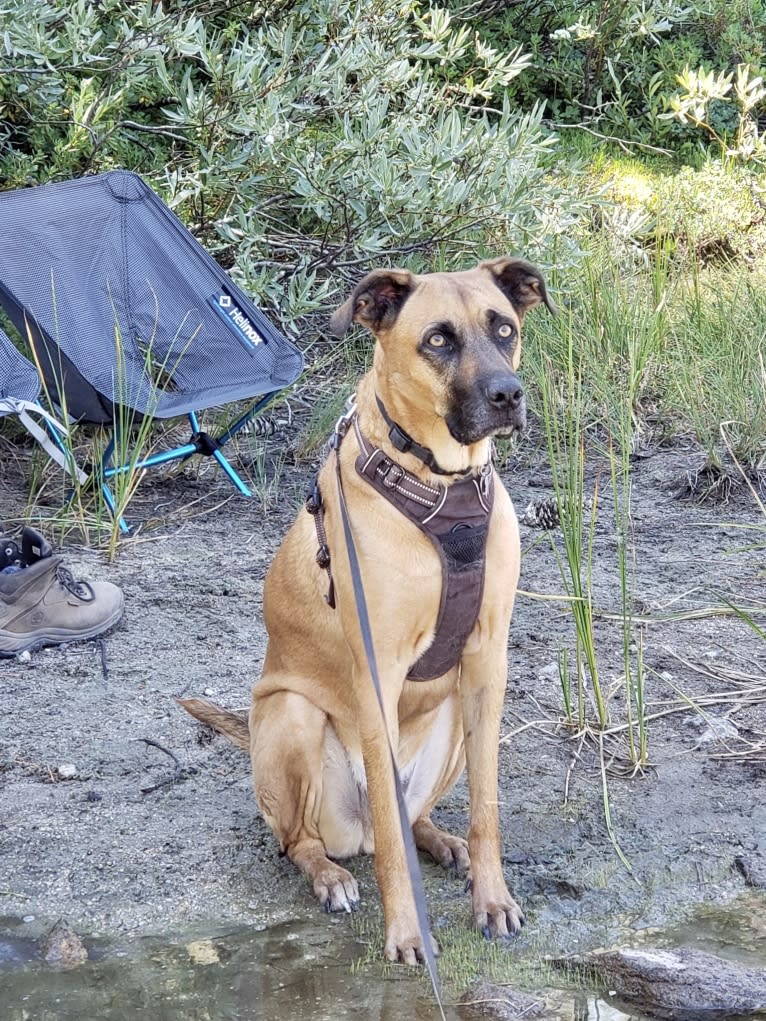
[405,443]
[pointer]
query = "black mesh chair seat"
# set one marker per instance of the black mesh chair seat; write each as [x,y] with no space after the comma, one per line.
[19,380]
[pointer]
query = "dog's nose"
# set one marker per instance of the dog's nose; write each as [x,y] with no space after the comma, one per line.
[504,392]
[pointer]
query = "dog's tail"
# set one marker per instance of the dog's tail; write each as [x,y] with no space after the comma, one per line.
[231,724]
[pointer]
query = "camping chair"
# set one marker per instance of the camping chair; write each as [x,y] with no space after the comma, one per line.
[19,390]
[129,317]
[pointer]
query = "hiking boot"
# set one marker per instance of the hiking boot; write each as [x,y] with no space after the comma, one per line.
[43,605]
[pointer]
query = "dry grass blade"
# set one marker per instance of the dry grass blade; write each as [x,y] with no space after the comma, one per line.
[674,617]
[758,681]
[752,752]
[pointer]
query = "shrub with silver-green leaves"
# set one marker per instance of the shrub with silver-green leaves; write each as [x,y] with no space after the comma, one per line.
[302,144]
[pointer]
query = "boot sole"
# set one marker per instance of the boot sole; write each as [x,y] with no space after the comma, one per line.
[12,645]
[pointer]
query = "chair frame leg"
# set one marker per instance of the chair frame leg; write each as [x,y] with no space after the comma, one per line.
[105,490]
[201,443]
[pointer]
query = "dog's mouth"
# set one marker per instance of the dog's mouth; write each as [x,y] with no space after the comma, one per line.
[492,404]
[507,434]
[472,425]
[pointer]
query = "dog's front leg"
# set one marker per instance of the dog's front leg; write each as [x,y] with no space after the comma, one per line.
[403,940]
[482,686]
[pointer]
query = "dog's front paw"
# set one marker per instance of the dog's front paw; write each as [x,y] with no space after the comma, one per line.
[497,917]
[336,888]
[404,943]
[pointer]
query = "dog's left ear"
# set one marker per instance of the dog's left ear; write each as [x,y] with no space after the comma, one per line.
[376,301]
[521,283]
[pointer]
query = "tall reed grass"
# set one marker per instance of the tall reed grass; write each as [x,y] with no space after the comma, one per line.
[637,357]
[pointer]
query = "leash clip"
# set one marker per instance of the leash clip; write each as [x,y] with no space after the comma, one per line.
[315,507]
[314,501]
[343,423]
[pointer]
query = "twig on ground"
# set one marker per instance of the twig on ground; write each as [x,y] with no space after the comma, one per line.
[101,646]
[179,772]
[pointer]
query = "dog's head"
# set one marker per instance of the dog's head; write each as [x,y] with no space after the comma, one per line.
[450,343]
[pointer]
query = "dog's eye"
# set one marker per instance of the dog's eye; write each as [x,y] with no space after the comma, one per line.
[505,331]
[437,340]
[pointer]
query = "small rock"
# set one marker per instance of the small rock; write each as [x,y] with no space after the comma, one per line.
[718,730]
[63,947]
[550,672]
[24,657]
[500,1002]
[677,984]
[540,480]
[209,692]
[66,771]
[203,951]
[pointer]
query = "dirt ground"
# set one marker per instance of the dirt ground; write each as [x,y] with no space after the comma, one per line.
[158,831]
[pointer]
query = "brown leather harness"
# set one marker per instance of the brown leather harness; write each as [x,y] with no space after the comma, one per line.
[456,520]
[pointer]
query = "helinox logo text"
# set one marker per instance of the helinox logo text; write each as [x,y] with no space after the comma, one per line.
[229,310]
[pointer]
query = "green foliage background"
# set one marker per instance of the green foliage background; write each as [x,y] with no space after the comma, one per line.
[300,141]
[613,65]
[305,142]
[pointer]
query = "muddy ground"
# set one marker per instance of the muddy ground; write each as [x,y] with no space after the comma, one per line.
[158,831]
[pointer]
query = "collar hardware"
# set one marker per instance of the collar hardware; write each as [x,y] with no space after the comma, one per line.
[405,444]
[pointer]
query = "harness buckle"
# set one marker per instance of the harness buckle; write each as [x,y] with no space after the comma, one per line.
[485,478]
[393,475]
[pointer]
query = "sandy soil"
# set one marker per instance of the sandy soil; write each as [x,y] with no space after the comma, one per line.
[158,831]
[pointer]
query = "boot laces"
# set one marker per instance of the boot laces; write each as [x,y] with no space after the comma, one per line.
[81,589]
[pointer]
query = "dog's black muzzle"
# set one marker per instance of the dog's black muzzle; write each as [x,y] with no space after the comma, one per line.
[494,405]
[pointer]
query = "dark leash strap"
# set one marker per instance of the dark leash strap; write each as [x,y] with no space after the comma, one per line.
[413,866]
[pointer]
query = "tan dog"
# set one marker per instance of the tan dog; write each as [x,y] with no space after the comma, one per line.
[444,370]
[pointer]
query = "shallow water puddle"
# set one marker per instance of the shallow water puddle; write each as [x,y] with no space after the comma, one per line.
[736,930]
[292,971]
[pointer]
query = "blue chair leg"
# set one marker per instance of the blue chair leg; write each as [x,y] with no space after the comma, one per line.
[200,443]
[106,492]
[229,433]
[214,450]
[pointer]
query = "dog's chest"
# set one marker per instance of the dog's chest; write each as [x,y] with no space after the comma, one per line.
[455,519]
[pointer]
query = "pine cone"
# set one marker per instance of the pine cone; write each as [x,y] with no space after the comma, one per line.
[541,513]
[546,513]
[262,426]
